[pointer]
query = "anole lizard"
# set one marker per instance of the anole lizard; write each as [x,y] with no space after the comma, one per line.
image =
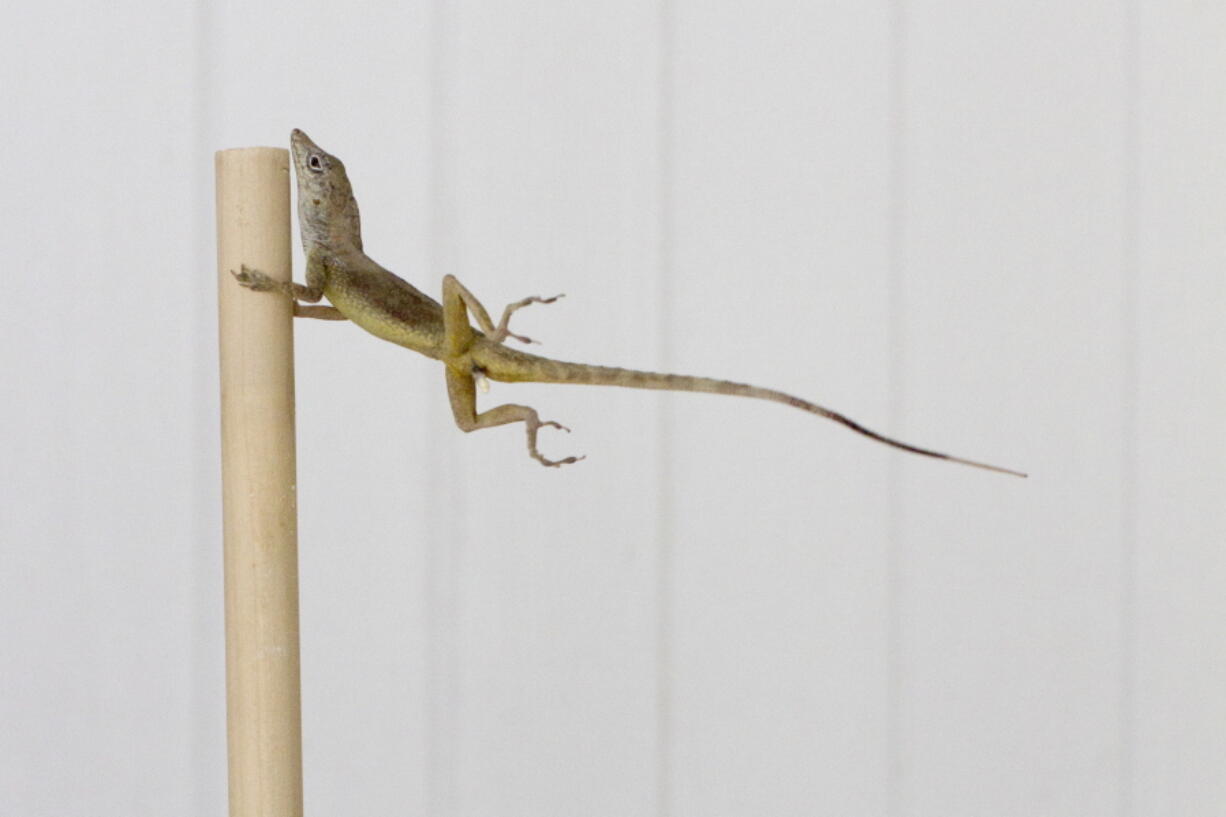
[391,308]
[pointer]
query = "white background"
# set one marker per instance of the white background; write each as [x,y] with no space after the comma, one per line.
[995,228]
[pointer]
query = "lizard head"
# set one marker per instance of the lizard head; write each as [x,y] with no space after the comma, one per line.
[327,211]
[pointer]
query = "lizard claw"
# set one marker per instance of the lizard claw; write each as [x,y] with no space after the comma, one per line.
[558,463]
[533,425]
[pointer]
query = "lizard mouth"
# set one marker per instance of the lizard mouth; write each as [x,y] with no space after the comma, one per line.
[301,144]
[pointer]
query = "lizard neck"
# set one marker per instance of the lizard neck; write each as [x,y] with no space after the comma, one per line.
[342,254]
[323,228]
[332,245]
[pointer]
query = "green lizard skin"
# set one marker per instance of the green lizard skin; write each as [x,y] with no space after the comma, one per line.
[391,308]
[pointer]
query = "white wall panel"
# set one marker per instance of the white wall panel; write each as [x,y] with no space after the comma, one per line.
[109,666]
[357,79]
[1179,731]
[547,184]
[779,277]
[1011,296]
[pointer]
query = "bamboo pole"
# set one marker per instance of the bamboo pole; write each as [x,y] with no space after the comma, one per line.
[263,707]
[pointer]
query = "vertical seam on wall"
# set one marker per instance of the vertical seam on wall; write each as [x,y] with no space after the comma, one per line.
[203,655]
[444,545]
[1128,401]
[895,566]
[665,528]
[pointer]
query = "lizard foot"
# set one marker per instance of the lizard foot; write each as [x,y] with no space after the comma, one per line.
[533,424]
[502,332]
[254,279]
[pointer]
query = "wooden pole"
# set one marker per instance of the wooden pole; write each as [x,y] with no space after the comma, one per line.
[263,706]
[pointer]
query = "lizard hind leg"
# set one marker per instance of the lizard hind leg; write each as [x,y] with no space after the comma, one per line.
[455,292]
[462,392]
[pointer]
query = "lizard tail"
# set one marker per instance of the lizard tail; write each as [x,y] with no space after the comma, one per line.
[510,365]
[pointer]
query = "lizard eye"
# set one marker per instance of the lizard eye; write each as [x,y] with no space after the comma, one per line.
[315,163]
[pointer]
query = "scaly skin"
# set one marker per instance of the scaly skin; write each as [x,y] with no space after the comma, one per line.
[391,308]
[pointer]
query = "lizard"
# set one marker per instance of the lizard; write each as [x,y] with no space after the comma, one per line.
[389,307]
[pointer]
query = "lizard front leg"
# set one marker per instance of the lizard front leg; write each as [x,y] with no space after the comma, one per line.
[323,313]
[260,282]
[499,333]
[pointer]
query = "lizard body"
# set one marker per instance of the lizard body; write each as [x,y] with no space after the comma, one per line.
[391,308]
